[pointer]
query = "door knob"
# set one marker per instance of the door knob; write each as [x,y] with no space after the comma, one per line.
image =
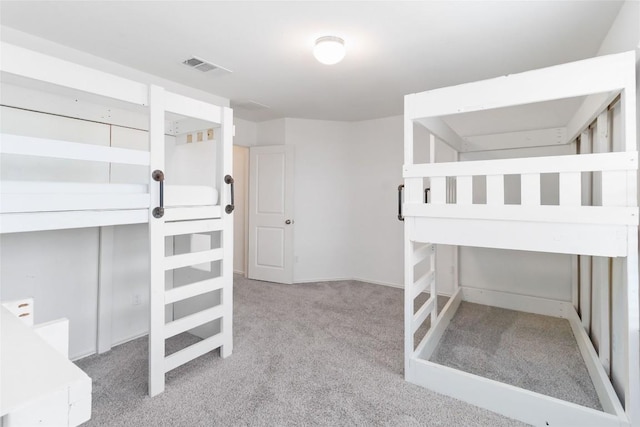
[288,222]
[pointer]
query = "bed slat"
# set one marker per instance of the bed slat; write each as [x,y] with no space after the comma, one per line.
[187,291]
[530,189]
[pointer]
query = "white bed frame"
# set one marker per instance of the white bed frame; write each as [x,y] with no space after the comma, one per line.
[607,230]
[28,206]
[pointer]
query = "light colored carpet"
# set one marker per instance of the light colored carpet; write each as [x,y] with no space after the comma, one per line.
[538,353]
[313,354]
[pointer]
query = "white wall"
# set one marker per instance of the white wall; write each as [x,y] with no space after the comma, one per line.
[240,223]
[375,171]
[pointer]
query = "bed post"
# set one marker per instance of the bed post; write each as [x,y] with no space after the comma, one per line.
[408,246]
[225,166]
[156,245]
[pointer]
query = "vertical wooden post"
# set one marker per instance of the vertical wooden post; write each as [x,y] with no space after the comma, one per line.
[585,261]
[224,167]
[105,289]
[408,248]
[156,245]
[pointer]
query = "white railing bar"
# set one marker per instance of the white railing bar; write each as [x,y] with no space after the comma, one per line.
[191,321]
[604,215]
[198,349]
[194,289]
[423,282]
[421,253]
[42,147]
[620,161]
[422,313]
[194,258]
[191,227]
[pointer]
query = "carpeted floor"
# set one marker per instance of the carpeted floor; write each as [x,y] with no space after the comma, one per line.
[538,353]
[312,354]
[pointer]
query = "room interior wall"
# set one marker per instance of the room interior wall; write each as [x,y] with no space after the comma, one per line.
[375,171]
[240,223]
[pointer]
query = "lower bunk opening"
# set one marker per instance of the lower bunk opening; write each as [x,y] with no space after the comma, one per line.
[525,357]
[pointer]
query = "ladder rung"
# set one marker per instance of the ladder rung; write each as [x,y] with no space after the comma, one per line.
[198,349]
[186,213]
[187,291]
[191,227]
[422,313]
[422,253]
[191,321]
[423,282]
[194,258]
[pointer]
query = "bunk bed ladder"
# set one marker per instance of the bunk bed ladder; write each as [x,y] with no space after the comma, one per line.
[166,223]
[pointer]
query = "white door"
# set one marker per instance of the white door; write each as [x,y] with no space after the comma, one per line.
[271,213]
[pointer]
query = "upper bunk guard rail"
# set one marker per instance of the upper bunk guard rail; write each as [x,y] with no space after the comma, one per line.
[615,209]
[42,147]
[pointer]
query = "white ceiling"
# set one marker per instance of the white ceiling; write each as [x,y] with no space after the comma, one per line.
[393,47]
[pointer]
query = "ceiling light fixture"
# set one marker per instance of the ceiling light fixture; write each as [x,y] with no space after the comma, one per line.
[329,50]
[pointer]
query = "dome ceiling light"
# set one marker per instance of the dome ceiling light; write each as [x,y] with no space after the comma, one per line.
[329,50]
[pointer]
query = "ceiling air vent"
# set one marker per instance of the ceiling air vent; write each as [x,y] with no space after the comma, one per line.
[202,65]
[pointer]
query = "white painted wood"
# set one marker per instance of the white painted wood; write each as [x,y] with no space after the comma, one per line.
[33,370]
[270,207]
[575,286]
[105,289]
[191,321]
[520,139]
[19,222]
[196,350]
[512,301]
[421,252]
[438,190]
[408,131]
[422,313]
[464,190]
[27,63]
[409,273]
[595,240]
[194,226]
[523,405]
[597,75]
[530,189]
[190,195]
[194,289]
[585,292]
[24,203]
[56,334]
[430,341]
[600,379]
[548,214]
[423,283]
[437,127]
[157,367]
[632,332]
[191,213]
[23,309]
[570,194]
[192,108]
[495,190]
[588,111]
[42,147]
[225,167]
[70,188]
[194,258]
[571,163]
[614,188]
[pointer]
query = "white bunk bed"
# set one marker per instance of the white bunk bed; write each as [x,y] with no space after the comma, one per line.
[606,226]
[31,206]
